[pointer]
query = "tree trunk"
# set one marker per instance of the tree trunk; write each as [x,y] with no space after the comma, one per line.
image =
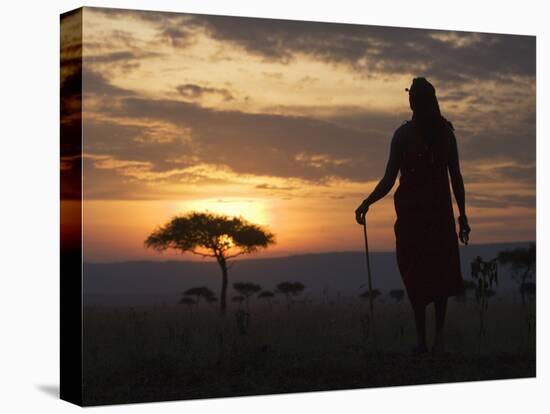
[223,294]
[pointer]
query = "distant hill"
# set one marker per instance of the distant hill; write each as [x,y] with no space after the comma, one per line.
[338,274]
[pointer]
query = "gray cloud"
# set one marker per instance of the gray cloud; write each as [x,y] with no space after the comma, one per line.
[194,91]
[353,146]
[387,50]
[177,37]
[250,145]
[265,144]
[94,83]
[118,56]
[444,55]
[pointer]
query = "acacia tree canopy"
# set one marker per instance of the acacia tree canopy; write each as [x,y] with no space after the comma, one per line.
[290,288]
[366,294]
[199,292]
[246,288]
[397,294]
[210,235]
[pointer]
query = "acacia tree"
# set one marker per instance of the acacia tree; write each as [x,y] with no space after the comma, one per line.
[186,300]
[200,292]
[366,294]
[211,299]
[397,294]
[211,235]
[485,274]
[246,289]
[522,261]
[290,289]
[267,295]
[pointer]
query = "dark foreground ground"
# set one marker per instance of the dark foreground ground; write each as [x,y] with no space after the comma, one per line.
[171,352]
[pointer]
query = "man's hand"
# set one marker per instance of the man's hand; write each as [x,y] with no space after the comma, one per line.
[361,212]
[464,232]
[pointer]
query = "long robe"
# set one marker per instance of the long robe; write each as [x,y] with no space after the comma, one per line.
[425,232]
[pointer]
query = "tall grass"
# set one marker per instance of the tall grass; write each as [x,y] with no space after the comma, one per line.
[169,352]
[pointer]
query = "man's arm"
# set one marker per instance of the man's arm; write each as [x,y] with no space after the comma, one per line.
[385,184]
[456,177]
[458,189]
[392,168]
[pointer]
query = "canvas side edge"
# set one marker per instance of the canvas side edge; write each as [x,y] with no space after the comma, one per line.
[71,380]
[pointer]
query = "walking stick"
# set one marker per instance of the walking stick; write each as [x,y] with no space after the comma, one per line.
[371,303]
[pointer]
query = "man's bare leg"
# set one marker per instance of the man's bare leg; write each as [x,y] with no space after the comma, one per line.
[440,313]
[420,320]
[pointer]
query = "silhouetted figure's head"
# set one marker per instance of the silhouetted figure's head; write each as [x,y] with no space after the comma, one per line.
[424,104]
[422,98]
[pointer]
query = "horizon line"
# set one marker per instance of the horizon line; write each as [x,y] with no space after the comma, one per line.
[251,257]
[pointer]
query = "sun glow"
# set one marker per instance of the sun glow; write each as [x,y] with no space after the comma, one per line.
[226,241]
[254,210]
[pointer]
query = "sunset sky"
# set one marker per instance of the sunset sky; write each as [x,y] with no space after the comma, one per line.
[288,124]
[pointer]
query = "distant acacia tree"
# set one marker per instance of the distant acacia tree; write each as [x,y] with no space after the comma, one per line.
[186,300]
[266,295]
[366,319]
[522,261]
[485,274]
[210,235]
[246,289]
[397,294]
[289,290]
[211,299]
[366,294]
[200,292]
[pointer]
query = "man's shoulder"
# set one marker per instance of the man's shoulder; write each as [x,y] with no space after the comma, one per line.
[404,129]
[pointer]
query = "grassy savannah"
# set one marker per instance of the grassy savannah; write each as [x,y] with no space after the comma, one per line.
[280,339]
[182,352]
